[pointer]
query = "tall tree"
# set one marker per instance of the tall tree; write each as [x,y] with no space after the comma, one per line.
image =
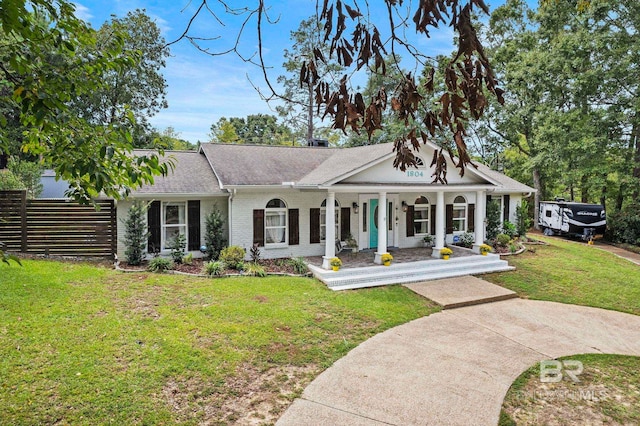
[49,59]
[299,109]
[140,86]
[255,129]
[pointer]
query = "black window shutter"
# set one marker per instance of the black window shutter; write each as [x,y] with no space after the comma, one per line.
[505,200]
[486,204]
[258,227]
[471,218]
[153,223]
[193,219]
[410,228]
[433,219]
[449,214]
[294,227]
[314,226]
[345,223]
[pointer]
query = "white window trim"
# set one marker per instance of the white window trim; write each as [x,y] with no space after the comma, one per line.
[163,224]
[323,216]
[465,208]
[423,207]
[279,210]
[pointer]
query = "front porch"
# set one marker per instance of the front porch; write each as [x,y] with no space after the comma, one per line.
[409,265]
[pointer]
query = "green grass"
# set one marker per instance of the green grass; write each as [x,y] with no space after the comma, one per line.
[607,393]
[81,344]
[576,273]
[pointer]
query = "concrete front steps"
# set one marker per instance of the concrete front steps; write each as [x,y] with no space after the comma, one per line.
[401,273]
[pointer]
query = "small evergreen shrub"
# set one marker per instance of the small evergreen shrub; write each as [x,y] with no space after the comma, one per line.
[493,220]
[136,233]
[255,270]
[214,234]
[503,240]
[509,229]
[177,247]
[160,264]
[299,265]
[214,268]
[523,222]
[233,257]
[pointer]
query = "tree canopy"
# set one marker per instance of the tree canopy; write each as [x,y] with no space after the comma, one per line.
[50,59]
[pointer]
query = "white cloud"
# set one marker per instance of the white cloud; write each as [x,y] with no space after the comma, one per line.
[83,12]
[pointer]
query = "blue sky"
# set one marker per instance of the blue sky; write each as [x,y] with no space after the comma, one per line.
[202,88]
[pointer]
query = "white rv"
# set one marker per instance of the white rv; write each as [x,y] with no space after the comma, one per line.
[572,219]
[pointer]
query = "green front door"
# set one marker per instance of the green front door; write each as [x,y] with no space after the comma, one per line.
[373,223]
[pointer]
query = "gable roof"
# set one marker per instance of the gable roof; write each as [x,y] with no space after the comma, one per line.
[192,175]
[269,165]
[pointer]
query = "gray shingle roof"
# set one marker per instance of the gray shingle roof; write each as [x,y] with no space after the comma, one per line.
[237,165]
[263,164]
[192,175]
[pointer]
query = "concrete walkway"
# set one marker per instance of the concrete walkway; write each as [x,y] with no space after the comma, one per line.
[625,254]
[455,367]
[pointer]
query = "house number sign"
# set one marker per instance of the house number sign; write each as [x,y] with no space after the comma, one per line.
[415,173]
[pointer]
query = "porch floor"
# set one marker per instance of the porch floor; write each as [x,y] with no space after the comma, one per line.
[365,258]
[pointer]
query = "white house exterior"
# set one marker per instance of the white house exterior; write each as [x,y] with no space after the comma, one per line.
[297,201]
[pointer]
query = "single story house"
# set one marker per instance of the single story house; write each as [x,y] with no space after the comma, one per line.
[298,201]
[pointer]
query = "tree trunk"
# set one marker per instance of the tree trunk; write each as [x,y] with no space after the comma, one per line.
[537,184]
[310,116]
[584,181]
[636,166]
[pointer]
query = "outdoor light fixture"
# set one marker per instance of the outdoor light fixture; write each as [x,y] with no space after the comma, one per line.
[355,207]
[405,207]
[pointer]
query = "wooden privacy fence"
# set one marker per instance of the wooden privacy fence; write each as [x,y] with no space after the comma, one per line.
[57,227]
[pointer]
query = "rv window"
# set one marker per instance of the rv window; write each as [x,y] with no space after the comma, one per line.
[548,213]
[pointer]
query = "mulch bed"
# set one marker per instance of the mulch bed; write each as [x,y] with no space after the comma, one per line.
[271,266]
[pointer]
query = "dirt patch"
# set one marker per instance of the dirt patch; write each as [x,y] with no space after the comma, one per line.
[250,397]
[599,398]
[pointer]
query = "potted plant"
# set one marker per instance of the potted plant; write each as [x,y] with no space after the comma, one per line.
[428,240]
[445,253]
[335,263]
[352,243]
[386,259]
[484,249]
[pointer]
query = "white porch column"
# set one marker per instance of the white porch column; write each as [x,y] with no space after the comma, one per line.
[440,224]
[479,220]
[382,227]
[330,230]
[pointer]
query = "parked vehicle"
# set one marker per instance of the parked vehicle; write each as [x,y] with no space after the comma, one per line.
[578,220]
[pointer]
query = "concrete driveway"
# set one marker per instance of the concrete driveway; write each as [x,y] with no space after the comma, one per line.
[455,367]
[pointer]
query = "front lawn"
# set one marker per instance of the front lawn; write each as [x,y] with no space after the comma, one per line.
[81,344]
[573,272]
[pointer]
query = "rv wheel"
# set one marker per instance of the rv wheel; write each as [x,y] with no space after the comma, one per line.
[548,232]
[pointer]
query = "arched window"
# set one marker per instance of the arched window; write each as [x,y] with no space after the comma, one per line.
[459,214]
[420,163]
[421,216]
[323,220]
[275,222]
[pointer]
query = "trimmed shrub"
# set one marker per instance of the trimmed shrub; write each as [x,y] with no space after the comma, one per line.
[503,240]
[160,264]
[509,229]
[233,257]
[493,220]
[214,236]
[136,234]
[177,247]
[523,222]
